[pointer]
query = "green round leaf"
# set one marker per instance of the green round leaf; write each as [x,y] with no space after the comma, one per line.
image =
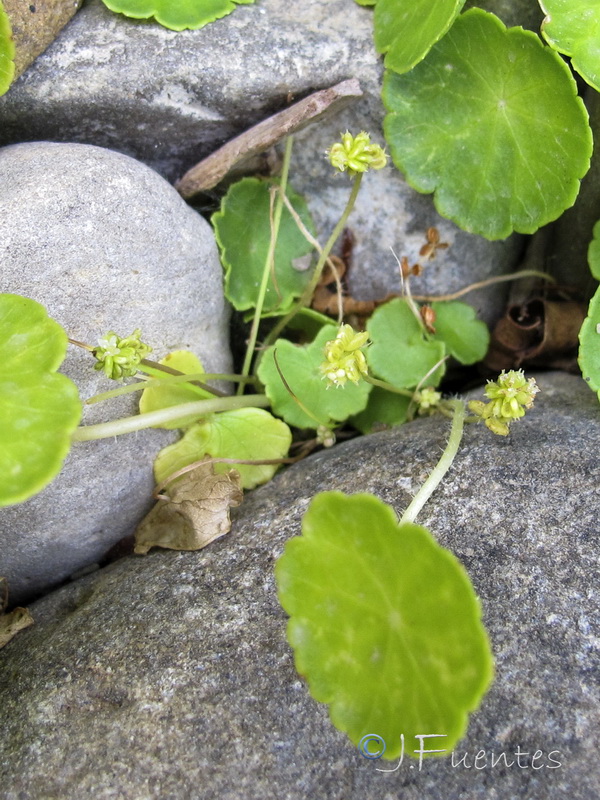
[491,122]
[401,353]
[406,31]
[243,233]
[39,408]
[466,337]
[384,410]
[384,622]
[165,396]
[300,368]
[589,345]
[572,27]
[246,433]
[176,14]
[594,252]
[7,52]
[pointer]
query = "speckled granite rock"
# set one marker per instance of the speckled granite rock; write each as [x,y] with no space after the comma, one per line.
[103,242]
[169,676]
[170,99]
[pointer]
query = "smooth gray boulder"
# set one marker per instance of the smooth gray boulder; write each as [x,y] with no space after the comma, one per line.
[104,243]
[171,99]
[169,676]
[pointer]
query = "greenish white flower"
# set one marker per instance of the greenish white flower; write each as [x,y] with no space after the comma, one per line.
[510,396]
[120,357]
[345,361]
[355,154]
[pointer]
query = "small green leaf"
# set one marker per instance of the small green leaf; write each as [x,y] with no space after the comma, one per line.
[384,622]
[7,52]
[176,14]
[406,31]
[39,408]
[243,233]
[589,345]
[384,410]
[594,252]
[491,122]
[572,27]
[166,396]
[466,337]
[300,368]
[246,433]
[401,353]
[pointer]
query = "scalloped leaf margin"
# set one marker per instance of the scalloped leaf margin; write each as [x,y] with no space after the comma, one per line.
[384,622]
[39,407]
[572,27]
[473,123]
[178,15]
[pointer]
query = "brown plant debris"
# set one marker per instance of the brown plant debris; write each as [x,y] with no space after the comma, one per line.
[196,513]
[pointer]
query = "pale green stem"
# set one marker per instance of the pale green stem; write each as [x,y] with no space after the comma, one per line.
[388,386]
[310,289]
[168,380]
[267,269]
[443,465]
[172,414]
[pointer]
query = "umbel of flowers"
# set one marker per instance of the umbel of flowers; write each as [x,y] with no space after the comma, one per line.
[510,396]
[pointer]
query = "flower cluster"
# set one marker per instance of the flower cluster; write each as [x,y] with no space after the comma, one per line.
[356,154]
[428,400]
[510,396]
[120,358]
[345,361]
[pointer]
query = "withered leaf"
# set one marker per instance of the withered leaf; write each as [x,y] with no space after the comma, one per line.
[12,623]
[196,513]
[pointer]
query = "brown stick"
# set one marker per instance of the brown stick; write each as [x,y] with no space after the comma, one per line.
[214,168]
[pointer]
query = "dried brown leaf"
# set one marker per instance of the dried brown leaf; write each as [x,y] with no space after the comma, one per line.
[10,624]
[196,513]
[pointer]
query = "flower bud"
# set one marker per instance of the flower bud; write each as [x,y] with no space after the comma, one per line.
[120,357]
[356,154]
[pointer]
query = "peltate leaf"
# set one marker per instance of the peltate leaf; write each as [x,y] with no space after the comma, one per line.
[246,433]
[594,252]
[243,233]
[401,353]
[405,30]
[466,337]
[7,52]
[300,368]
[167,395]
[572,27]
[176,14]
[490,121]
[384,622]
[39,408]
[589,345]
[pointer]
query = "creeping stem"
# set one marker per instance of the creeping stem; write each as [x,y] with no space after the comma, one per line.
[443,465]
[153,418]
[310,289]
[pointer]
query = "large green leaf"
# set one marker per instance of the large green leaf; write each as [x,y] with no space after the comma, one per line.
[39,408]
[246,433]
[406,29]
[594,252]
[300,368]
[572,27]
[491,122]
[7,52]
[401,353]
[243,232]
[384,622]
[589,345]
[456,324]
[176,14]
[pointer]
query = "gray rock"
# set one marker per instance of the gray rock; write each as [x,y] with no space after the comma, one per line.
[169,676]
[170,99]
[103,242]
